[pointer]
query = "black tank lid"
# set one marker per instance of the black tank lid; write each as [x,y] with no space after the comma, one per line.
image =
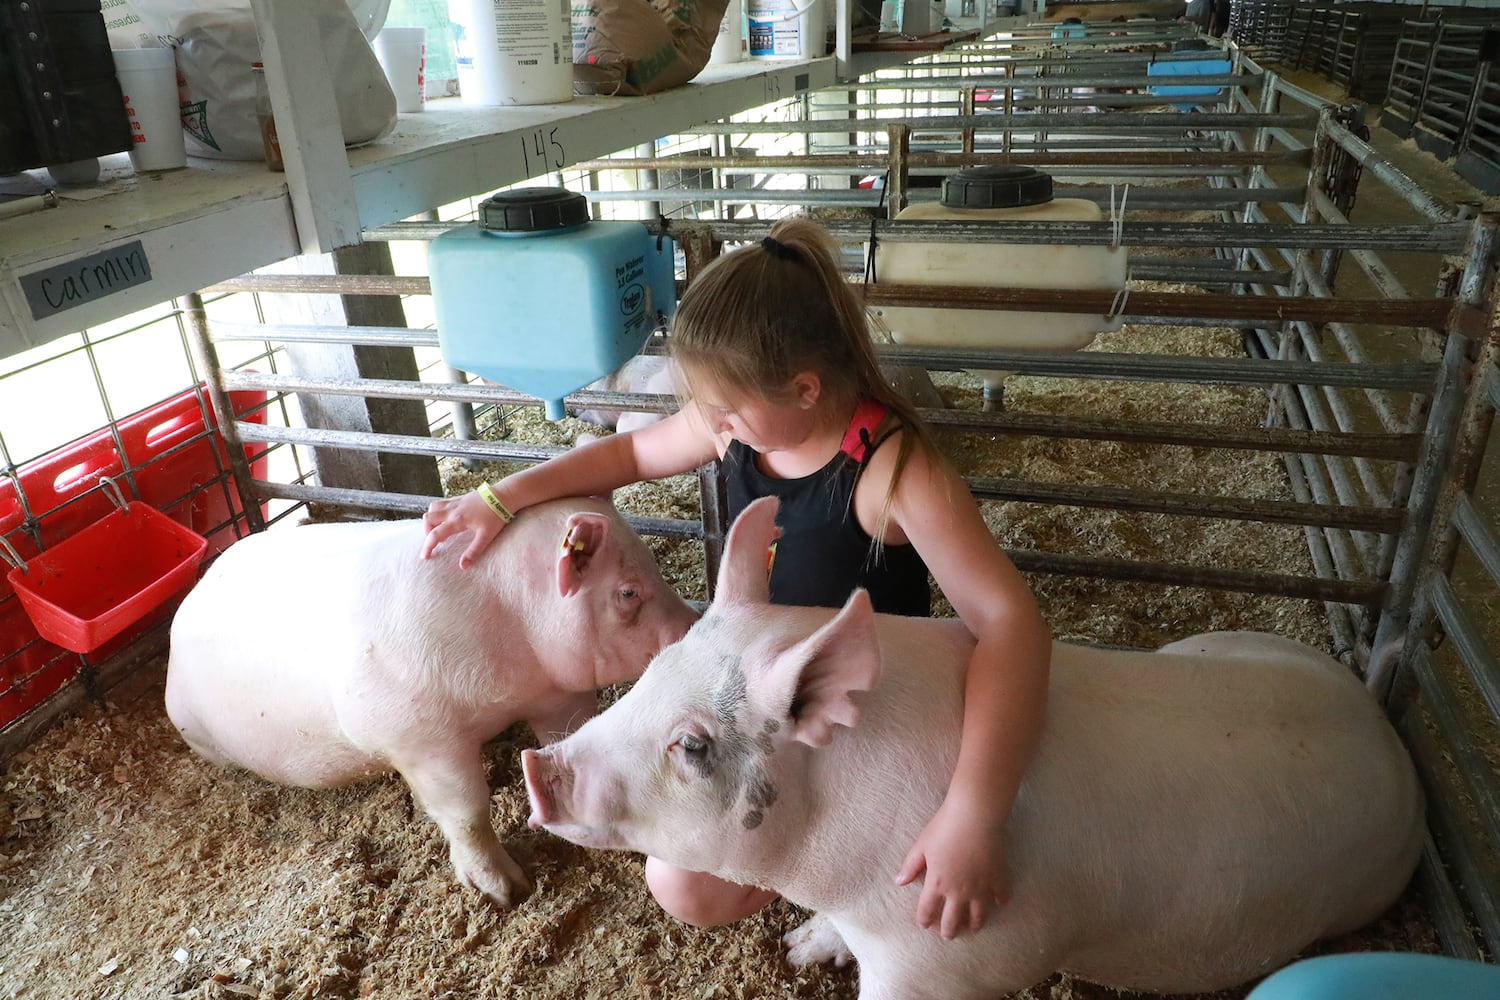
[997,187]
[533,209]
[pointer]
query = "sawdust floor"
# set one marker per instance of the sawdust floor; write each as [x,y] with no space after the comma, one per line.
[129,868]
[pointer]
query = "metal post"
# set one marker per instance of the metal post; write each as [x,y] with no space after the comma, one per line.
[1430,504]
[206,357]
[899,147]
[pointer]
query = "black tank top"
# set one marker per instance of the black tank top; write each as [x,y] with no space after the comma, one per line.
[823,553]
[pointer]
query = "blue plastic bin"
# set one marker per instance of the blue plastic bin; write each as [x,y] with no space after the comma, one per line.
[1188,66]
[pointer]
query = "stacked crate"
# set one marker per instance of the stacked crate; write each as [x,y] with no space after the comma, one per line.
[1293,41]
[1442,91]
[1353,44]
[1365,47]
[1247,21]
[1277,27]
[1443,117]
[1408,80]
[1479,154]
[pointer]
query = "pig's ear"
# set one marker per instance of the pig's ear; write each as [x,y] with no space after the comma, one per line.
[812,681]
[745,572]
[583,538]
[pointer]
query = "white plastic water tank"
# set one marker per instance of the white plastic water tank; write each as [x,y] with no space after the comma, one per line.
[1010,193]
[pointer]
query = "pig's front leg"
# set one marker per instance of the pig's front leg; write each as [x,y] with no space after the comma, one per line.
[456,795]
[816,941]
[559,718]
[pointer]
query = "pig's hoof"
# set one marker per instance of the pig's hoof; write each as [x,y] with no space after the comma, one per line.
[504,889]
[510,893]
[816,941]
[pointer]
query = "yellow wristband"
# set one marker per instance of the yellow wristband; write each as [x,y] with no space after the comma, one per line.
[501,511]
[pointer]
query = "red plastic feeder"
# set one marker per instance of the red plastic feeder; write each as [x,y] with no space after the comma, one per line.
[89,588]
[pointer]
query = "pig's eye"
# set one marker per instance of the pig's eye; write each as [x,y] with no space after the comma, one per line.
[694,746]
[628,604]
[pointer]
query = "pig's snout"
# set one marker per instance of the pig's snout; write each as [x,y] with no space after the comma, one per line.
[541,778]
[568,802]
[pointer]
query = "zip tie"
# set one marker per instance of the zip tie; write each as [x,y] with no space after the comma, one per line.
[1117,216]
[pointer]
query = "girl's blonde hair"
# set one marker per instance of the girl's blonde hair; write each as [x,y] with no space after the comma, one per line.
[759,315]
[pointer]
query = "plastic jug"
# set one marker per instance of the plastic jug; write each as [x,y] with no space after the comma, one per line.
[1013,194]
[538,297]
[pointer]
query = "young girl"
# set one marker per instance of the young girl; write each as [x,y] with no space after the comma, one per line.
[773,347]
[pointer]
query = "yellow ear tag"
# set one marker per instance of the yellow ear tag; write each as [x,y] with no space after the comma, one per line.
[569,542]
[770,558]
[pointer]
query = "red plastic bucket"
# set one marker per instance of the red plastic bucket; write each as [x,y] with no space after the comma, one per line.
[89,588]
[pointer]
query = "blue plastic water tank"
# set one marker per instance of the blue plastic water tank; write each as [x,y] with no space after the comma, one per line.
[1188,65]
[538,297]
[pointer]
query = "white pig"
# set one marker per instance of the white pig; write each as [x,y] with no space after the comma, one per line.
[1193,818]
[325,654]
[644,373]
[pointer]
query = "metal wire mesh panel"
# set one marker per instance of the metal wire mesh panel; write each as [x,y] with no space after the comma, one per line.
[136,429]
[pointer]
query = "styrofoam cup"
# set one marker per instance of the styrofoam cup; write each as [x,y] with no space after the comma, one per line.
[148,78]
[403,55]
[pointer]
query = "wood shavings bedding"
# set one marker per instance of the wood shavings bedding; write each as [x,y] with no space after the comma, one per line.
[130,868]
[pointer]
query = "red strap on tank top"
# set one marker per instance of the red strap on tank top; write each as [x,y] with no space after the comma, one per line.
[861,433]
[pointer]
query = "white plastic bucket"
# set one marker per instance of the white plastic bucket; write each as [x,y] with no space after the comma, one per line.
[729,44]
[785,29]
[521,51]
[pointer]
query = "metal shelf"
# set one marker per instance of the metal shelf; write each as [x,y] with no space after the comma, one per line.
[451,151]
[130,242]
[214,220]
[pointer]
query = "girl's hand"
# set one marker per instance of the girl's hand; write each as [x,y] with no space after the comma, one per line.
[445,518]
[965,876]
